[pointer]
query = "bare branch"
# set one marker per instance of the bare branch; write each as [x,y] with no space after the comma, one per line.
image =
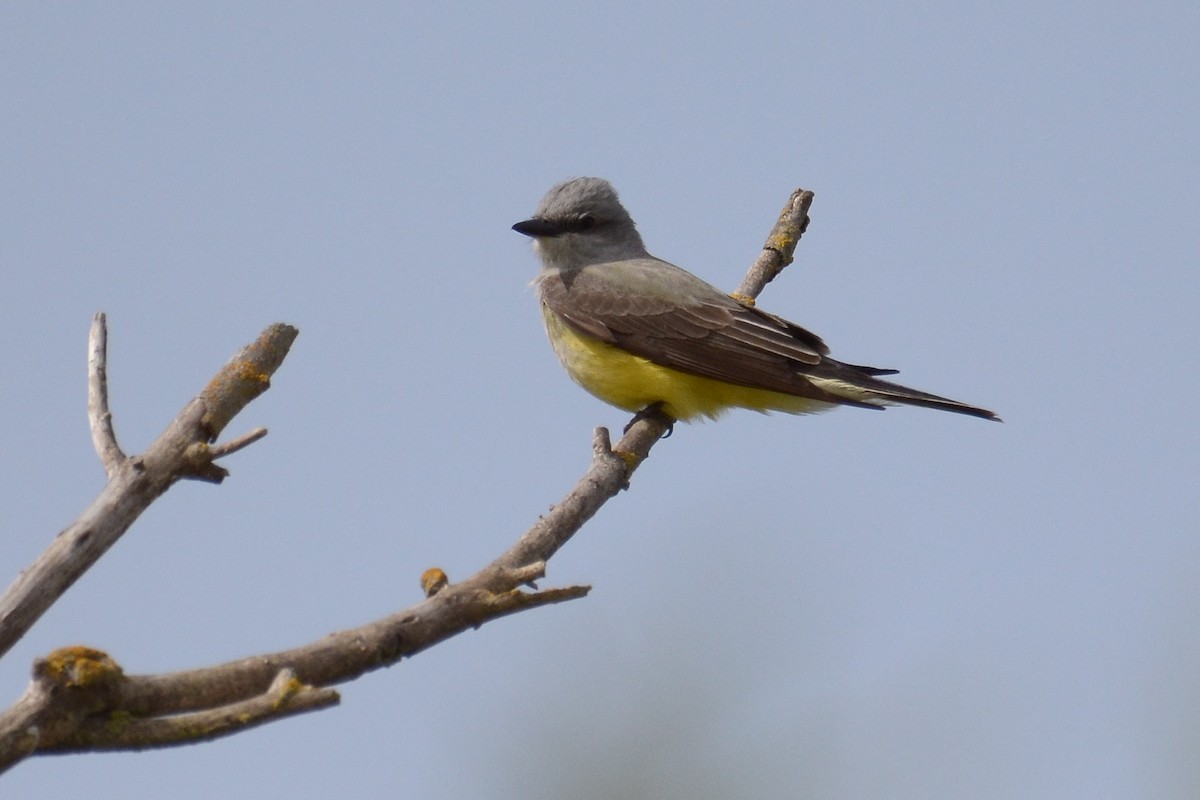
[345,655]
[134,483]
[80,699]
[604,478]
[103,436]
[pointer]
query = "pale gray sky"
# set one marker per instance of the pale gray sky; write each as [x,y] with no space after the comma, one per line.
[854,605]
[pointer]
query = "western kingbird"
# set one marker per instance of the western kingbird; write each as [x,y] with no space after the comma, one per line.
[640,333]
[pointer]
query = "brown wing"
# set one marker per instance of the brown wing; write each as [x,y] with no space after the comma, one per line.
[696,329]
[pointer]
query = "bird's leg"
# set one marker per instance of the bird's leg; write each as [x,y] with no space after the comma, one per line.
[654,412]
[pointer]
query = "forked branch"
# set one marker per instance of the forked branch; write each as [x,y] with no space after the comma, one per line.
[182,451]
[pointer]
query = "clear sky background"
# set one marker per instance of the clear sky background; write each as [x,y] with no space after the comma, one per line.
[855,605]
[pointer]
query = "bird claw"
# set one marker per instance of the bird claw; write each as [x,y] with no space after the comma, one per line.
[653,412]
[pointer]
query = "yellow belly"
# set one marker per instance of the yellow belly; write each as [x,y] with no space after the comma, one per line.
[632,382]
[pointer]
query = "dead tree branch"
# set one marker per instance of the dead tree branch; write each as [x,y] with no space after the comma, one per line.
[182,451]
[81,699]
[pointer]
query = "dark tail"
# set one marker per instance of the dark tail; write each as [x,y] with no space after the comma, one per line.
[861,386]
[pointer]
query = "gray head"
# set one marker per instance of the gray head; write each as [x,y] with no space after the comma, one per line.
[581,222]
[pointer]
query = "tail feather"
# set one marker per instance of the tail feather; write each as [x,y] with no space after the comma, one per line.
[859,385]
[872,370]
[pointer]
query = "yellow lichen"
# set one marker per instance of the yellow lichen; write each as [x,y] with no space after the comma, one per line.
[287,691]
[745,300]
[246,371]
[631,459]
[78,667]
[433,580]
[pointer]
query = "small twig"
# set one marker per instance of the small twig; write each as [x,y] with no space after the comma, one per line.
[233,445]
[104,438]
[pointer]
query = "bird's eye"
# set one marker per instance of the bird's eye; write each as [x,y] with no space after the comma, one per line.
[586,222]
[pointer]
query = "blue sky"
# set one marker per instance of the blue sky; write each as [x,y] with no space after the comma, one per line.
[857,605]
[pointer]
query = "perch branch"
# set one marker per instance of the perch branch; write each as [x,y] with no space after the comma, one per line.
[613,467]
[80,699]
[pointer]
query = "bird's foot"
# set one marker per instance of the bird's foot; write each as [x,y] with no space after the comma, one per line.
[654,412]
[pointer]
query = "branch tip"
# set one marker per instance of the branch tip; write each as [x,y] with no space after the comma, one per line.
[104,438]
[780,247]
[601,441]
[559,595]
[246,376]
[233,445]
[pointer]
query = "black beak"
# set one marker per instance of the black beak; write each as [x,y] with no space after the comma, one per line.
[538,228]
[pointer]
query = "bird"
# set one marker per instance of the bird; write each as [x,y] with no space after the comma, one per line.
[649,337]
